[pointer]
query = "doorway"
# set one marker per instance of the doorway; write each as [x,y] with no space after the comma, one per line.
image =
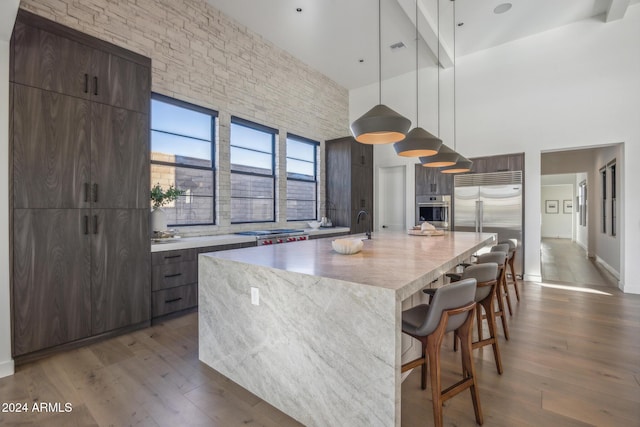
[392,203]
[580,241]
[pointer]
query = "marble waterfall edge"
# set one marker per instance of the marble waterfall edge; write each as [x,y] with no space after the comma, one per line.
[322,350]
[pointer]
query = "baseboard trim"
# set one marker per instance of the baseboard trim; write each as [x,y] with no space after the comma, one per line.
[532,278]
[7,368]
[607,267]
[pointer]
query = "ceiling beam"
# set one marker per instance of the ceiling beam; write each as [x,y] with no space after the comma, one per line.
[428,30]
[616,10]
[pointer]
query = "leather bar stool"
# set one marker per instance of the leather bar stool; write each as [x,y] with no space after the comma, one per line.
[513,248]
[451,309]
[499,258]
[503,289]
[486,275]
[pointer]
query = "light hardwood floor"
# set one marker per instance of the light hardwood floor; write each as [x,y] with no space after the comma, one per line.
[573,360]
[565,261]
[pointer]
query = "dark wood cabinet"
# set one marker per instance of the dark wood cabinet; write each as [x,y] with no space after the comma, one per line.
[350,182]
[430,181]
[119,158]
[51,295]
[120,268]
[80,182]
[50,149]
[501,163]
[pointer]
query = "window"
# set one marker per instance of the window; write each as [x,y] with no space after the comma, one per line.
[603,204]
[252,172]
[614,184]
[582,203]
[182,155]
[301,179]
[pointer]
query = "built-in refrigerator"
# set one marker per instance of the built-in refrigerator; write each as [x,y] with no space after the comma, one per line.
[491,203]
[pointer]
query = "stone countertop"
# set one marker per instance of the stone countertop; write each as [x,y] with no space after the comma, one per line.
[226,239]
[392,260]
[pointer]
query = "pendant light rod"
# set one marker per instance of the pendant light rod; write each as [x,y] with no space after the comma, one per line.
[454,75]
[438,62]
[417,84]
[380,51]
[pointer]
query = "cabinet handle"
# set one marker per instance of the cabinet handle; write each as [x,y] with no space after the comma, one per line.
[362,160]
[95,193]
[362,203]
[172,256]
[95,224]
[86,83]
[86,224]
[172,275]
[86,191]
[172,300]
[95,85]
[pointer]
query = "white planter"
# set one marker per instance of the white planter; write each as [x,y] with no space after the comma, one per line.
[158,220]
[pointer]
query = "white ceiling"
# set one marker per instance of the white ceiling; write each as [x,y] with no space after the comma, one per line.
[332,36]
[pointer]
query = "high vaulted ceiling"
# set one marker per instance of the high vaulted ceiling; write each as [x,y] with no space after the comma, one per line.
[340,37]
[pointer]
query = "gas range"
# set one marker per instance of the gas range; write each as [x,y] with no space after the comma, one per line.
[277,236]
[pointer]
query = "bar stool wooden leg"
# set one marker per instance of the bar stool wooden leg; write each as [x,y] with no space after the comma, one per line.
[501,313]
[487,304]
[469,370]
[505,288]
[513,275]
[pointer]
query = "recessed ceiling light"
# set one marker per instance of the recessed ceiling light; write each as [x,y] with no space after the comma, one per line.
[397,45]
[299,9]
[460,24]
[502,8]
[360,60]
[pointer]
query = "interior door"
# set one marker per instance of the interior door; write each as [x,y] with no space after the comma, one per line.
[391,183]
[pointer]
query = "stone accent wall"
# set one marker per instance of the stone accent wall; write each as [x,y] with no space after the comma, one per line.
[202,56]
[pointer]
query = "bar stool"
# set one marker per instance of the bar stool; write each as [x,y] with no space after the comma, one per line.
[500,259]
[486,275]
[513,248]
[451,309]
[504,292]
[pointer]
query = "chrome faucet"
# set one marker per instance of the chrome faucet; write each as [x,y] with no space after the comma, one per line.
[365,213]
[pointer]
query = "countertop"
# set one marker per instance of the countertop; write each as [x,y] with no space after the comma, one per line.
[392,260]
[226,239]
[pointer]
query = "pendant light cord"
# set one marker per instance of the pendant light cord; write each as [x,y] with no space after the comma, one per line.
[438,62]
[454,76]
[380,51]
[417,87]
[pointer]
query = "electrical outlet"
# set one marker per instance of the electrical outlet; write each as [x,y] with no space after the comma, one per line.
[255,296]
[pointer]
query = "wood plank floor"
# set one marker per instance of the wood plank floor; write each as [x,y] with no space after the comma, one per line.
[565,261]
[573,360]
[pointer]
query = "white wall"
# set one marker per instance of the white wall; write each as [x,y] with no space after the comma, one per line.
[558,225]
[575,86]
[8,11]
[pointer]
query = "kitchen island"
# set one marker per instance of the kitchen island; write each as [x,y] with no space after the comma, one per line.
[323,343]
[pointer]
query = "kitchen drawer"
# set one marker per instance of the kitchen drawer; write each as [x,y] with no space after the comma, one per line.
[172,275]
[170,257]
[175,299]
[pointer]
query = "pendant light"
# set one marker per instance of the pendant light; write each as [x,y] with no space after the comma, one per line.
[380,125]
[463,164]
[446,156]
[418,142]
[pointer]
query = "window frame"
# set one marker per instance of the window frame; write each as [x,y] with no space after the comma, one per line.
[212,169]
[274,136]
[613,179]
[603,201]
[316,146]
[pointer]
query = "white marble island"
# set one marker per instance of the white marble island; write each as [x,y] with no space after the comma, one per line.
[323,345]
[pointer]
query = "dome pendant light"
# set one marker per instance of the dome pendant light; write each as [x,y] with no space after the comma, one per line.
[418,142]
[380,125]
[446,156]
[463,164]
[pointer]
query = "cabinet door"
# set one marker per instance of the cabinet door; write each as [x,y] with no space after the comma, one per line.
[516,162]
[445,183]
[120,268]
[361,154]
[51,278]
[361,187]
[50,62]
[119,82]
[50,149]
[119,158]
[479,165]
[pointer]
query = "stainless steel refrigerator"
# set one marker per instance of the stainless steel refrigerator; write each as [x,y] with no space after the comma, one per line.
[491,203]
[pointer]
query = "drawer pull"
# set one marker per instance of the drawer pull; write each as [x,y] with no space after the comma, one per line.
[172,275]
[172,256]
[172,300]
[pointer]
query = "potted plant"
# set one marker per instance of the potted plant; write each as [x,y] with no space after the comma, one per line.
[159,198]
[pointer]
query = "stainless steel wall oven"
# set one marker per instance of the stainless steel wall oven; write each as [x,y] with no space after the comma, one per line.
[435,210]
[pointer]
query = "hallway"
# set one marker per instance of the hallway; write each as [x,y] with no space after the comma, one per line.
[565,261]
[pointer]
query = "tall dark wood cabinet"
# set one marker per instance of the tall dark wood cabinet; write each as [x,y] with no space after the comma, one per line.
[80,186]
[349,182]
[501,163]
[430,181]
